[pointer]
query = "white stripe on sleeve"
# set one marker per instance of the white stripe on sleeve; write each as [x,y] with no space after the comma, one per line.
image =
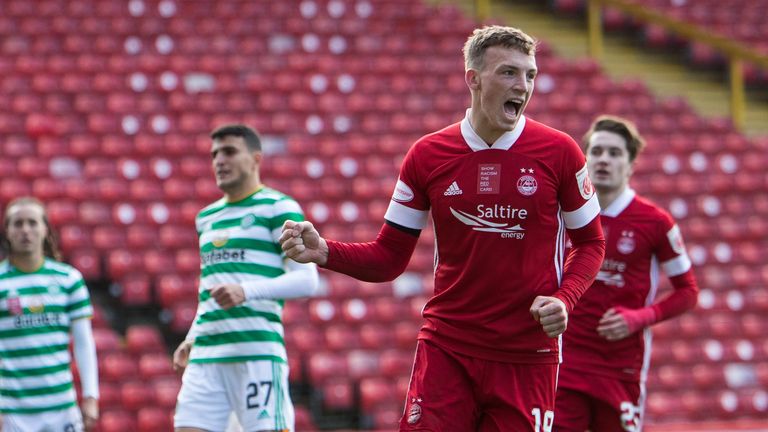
[676,266]
[406,216]
[582,215]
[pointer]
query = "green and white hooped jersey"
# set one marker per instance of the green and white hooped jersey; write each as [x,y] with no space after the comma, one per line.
[36,310]
[239,242]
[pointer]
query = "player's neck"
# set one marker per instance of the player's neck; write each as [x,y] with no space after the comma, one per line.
[607,197]
[243,192]
[27,263]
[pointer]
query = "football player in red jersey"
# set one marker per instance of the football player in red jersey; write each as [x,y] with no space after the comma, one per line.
[502,190]
[607,346]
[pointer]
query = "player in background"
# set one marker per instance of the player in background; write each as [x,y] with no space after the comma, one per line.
[234,356]
[608,343]
[502,190]
[44,305]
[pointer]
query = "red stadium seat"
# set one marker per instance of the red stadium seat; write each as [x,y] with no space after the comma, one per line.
[165,391]
[154,365]
[117,367]
[140,236]
[396,363]
[158,261]
[387,415]
[376,335]
[107,237]
[88,261]
[144,338]
[109,396]
[73,236]
[93,213]
[152,419]
[182,314]
[106,340]
[121,262]
[304,338]
[187,261]
[322,310]
[304,419]
[375,391]
[117,421]
[11,188]
[48,189]
[362,363]
[325,365]
[135,395]
[341,337]
[338,394]
[176,288]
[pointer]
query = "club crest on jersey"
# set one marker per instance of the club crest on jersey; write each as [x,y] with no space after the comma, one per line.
[403,193]
[676,240]
[585,184]
[247,221]
[527,184]
[626,243]
[414,412]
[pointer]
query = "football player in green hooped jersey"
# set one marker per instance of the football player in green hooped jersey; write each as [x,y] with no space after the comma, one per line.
[44,304]
[234,358]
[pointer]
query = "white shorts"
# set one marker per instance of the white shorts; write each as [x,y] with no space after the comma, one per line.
[66,420]
[256,391]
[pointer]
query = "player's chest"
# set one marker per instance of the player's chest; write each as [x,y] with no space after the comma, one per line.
[627,240]
[493,176]
[49,297]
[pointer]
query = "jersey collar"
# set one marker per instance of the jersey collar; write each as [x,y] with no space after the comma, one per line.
[620,203]
[503,143]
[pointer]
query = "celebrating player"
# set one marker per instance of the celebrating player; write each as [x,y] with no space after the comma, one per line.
[502,190]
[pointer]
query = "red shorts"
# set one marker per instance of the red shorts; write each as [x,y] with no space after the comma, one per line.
[597,403]
[453,392]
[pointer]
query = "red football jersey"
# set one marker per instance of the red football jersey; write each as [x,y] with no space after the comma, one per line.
[640,240]
[499,215]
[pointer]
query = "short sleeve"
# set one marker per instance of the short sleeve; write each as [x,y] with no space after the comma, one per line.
[409,206]
[78,299]
[578,201]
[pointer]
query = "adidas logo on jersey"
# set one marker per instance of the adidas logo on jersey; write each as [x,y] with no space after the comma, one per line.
[453,189]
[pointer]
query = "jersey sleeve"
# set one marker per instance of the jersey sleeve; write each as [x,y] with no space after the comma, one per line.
[409,206]
[285,209]
[578,201]
[671,250]
[674,260]
[79,300]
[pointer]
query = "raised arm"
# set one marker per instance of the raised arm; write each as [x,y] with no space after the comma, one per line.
[380,260]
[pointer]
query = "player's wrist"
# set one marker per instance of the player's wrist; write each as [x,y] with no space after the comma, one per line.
[324,252]
[638,318]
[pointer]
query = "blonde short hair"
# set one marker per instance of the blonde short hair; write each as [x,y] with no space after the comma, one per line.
[495,35]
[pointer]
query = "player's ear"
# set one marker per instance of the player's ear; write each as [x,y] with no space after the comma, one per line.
[257,157]
[472,78]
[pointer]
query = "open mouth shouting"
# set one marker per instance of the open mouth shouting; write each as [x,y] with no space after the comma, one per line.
[512,107]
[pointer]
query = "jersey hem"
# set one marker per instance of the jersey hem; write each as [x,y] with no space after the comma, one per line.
[37,410]
[239,359]
[492,355]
